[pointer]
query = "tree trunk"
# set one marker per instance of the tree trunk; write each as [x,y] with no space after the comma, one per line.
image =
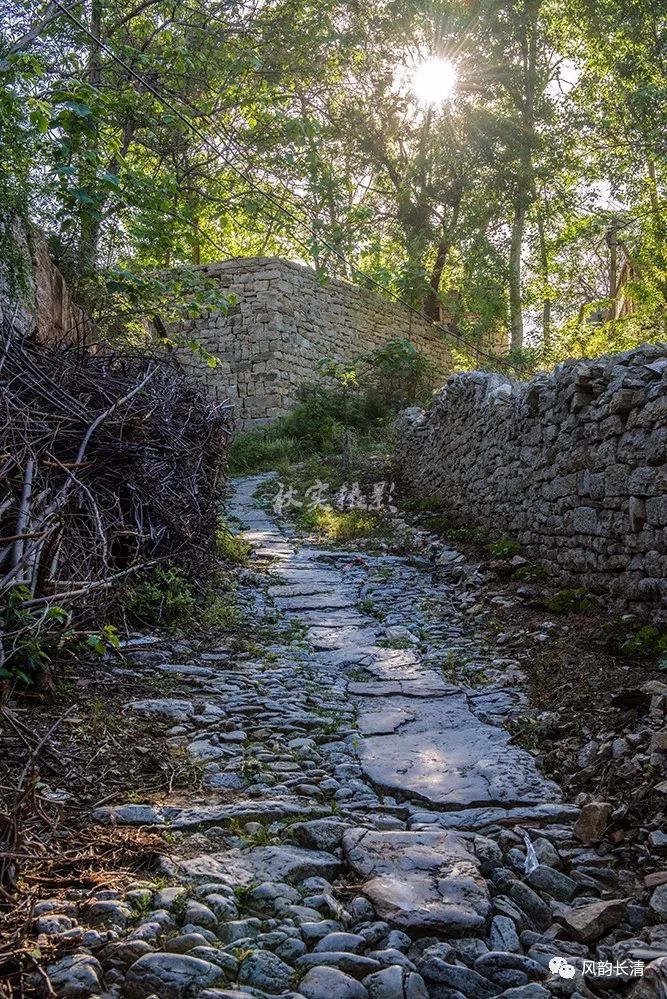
[544,266]
[653,190]
[658,222]
[612,243]
[525,180]
[516,313]
[432,298]
[90,226]
[95,65]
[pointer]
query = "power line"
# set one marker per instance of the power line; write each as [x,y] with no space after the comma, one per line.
[265,194]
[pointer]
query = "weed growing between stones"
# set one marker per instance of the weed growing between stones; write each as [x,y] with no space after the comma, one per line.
[456,668]
[395,643]
[342,526]
[504,548]
[573,601]
[231,547]
[161,684]
[525,732]
[96,719]
[531,574]
[252,833]
[368,606]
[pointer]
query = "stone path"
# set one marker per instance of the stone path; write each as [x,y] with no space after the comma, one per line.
[368,831]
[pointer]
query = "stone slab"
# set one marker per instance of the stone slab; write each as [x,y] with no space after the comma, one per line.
[316,602]
[263,863]
[328,637]
[448,757]
[475,819]
[251,810]
[383,722]
[420,881]
[422,685]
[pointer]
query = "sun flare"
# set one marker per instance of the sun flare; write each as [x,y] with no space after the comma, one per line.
[434,81]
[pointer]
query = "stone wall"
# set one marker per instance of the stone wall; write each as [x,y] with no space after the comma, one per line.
[58,318]
[573,465]
[44,307]
[17,305]
[284,322]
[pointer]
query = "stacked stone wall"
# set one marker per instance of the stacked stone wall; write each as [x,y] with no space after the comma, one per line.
[573,465]
[39,303]
[284,322]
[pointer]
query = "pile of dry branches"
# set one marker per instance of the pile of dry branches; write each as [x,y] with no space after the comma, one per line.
[108,463]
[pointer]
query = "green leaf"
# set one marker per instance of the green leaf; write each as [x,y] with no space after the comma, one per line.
[81,110]
[40,120]
[110,178]
[82,196]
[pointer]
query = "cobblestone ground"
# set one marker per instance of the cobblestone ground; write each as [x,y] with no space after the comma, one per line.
[368,830]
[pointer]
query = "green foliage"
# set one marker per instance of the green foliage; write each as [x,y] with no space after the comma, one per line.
[395,643]
[624,637]
[107,638]
[342,526]
[553,134]
[471,534]
[348,406]
[457,669]
[165,597]
[397,374]
[220,613]
[426,504]
[526,732]
[162,597]
[32,636]
[504,548]
[530,574]
[262,450]
[368,606]
[231,547]
[572,601]
[35,635]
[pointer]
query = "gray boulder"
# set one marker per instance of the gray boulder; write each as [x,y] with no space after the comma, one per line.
[264,970]
[170,976]
[395,983]
[327,983]
[77,975]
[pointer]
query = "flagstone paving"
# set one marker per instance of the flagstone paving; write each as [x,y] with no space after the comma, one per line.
[368,828]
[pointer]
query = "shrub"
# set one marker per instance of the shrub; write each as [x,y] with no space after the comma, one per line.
[571,601]
[530,574]
[341,526]
[622,635]
[504,548]
[34,636]
[347,407]
[232,547]
[397,374]
[162,596]
[221,613]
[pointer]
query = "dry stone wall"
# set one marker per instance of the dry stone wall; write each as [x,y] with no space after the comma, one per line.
[43,307]
[573,465]
[284,322]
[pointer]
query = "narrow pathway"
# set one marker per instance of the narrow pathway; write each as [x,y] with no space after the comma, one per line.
[367,830]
